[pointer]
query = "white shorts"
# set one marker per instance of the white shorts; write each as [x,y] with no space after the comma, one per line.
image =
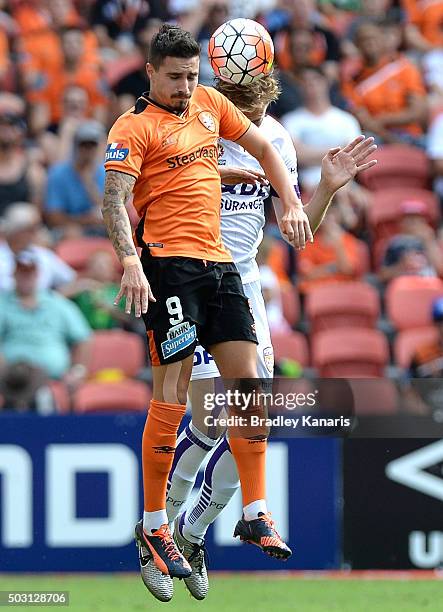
[204,364]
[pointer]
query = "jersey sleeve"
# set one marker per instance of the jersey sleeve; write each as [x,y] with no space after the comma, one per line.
[127,146]
[233,123]
[285,147]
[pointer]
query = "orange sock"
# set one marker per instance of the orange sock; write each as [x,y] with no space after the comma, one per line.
[158,446]
[250,457]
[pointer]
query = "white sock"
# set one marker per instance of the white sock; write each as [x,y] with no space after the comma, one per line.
[250,512]
[154,520]
[190,452]
[220,482]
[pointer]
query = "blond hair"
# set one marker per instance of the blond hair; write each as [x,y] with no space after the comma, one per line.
[253,97]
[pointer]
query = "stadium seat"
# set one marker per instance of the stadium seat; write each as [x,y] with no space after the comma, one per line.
[385,209]
[376,396]
[409,298]
[364,259]
[352,304]
[354,352]
[398,165]
[290,304]
[292,345]
[409,340]
[122,396]
[116,350]
[76,251]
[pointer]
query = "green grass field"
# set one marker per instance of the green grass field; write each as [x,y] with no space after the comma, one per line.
[255,593]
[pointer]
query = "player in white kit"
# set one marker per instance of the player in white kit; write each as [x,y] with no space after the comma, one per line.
[242,221]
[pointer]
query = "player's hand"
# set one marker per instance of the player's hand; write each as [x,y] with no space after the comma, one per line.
[294,226]
[341,165]
[136,289]
[235,176]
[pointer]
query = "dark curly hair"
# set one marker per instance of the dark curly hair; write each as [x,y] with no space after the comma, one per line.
[172,41]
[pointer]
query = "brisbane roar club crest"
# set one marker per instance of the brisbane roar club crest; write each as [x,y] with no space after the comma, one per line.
[207,120]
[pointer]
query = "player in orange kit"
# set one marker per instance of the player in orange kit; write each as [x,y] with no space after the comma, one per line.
[165,151]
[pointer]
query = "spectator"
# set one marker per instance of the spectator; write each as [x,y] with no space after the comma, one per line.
[415,250]
[39,46]
[75,187]
[423,24]
[434,149]
[49,81]
[22,178]
[372,11]
[97,302]
[57,145]
[23,388]
[386,96]
[41,328]
[427,363]
[115,21]
[317,127]
[129,87]
[303,15]
[301,43]
[21,226]
[405,256]
[334,256]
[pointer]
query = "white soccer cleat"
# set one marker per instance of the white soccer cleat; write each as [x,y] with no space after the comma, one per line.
[158,584]
[197,583]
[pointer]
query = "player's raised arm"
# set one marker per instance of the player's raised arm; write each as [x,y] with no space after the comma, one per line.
[339,166]
[294,221]
[134,285]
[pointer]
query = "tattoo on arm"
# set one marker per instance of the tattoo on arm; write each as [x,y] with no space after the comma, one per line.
[118,188]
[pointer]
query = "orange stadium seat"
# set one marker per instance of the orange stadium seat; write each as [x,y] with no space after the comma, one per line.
[376,396]
[116,349]
[385,211]
[290,303]
[76,251]
[409,340]
[352,304]
[364,259]
[354,352]
[292,345]
[123,396]
[409,298]
[397,165]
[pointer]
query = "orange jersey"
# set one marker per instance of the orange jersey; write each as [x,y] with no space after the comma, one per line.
[319,254]
[51,84]
[385,88]
[175,161]
[427,15]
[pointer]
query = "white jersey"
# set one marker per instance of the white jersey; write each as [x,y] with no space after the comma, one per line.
[242,206]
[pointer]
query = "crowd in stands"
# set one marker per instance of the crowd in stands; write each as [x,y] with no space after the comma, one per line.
[68,68]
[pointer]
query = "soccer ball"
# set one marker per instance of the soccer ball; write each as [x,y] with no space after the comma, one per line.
[241,51]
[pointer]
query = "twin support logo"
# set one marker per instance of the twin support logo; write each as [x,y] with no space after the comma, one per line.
[116,151]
